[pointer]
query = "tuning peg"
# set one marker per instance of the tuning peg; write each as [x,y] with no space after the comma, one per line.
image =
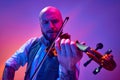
[99,46]
[108,51]
[88,62]
[97,70]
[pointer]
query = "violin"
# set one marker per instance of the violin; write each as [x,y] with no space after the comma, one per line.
[105,61]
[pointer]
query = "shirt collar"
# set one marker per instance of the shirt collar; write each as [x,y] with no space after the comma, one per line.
[45,41]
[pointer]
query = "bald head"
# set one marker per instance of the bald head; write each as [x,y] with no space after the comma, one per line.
[51,21]
[48,11]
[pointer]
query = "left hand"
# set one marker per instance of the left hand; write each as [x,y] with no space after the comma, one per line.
[68,54]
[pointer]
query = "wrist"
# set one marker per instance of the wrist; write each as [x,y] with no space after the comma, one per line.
[67,74]
[68,68]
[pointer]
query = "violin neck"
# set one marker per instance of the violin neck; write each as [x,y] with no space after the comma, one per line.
[82,47]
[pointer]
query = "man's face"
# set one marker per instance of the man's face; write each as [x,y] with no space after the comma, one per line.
[51,21]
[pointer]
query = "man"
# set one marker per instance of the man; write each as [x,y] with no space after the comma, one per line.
[60,67]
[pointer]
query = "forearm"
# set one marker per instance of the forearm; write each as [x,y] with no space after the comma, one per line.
[8,73]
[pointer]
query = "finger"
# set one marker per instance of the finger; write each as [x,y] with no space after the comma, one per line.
[68,48]
[73,48]
[57,46]
[63,51]
[76,52]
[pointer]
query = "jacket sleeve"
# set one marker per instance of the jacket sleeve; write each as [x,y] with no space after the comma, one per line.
[8,73]
[19,58]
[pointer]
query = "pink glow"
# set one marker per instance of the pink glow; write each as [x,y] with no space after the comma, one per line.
[90,21]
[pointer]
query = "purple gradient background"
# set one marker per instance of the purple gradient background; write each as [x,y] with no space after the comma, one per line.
[91,21]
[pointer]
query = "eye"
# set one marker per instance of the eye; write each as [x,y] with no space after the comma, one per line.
[45,22]
[55,21]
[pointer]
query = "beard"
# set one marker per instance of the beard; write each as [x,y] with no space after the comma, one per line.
[50,36]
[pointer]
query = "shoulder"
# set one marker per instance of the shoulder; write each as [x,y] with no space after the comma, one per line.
[34,40]
[30,42]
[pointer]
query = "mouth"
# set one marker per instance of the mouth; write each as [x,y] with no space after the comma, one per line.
[51,31]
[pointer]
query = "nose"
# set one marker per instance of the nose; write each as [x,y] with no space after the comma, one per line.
[51,25]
